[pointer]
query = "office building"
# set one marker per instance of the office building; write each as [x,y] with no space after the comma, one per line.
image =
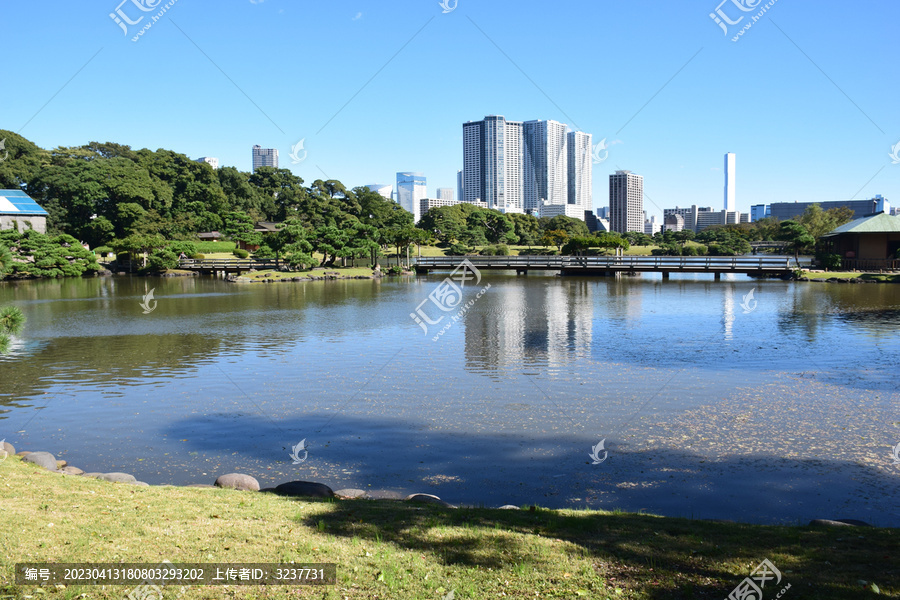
[603,212]
[861,208]
[626,201]
[759,212]
[651,227]
[264,157]
[410,190]
[385,190]
[492,163]
[211,161]
[581,169]
[426,204]
[730,182]
[445,193]
[460,185]
[545,164]
[555,210]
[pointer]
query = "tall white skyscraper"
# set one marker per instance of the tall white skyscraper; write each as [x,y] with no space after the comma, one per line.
[626,202]
[545,164]
[264,157]
[581,169]
[410,190]
[492,163]
[384,189]
[729,183]
[445,193]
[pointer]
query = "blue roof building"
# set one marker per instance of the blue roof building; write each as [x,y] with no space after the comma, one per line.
[19,211]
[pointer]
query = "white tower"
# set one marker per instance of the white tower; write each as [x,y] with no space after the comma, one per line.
[729,183]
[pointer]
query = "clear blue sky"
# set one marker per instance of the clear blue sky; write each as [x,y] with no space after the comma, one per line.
[807,98]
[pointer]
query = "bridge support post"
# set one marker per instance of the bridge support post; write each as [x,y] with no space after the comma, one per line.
[521,271]
[718,276]
[665,275]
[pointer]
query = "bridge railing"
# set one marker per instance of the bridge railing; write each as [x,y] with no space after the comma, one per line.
[225,263]
[619,263]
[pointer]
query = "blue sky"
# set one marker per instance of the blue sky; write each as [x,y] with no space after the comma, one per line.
[807,97]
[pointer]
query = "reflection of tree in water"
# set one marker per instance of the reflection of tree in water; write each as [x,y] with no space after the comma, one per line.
[101,363]
[869,308]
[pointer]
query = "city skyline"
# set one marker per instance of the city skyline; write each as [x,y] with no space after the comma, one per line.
[671,118]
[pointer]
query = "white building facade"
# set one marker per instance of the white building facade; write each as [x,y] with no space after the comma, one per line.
[411,189]
[264,157]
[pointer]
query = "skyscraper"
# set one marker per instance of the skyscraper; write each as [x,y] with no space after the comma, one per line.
[385,190]
[264,157]
[729,182]
[545,164]
[626,202]
[410,190]
[445,193]
[460,187]
[581,169]
[492,163]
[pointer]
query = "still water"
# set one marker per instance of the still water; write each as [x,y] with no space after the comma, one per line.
[778,408]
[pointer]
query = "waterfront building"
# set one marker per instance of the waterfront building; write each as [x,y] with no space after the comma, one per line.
[867,243]
[411,189]
[264,157]
[626,201]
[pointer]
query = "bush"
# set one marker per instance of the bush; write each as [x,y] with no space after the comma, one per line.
[394,270]
[829,261]
[198,256]
[241,253]
[537,252]
[179,247]
[495,250]
[667,250]
[689,251]
[456,250]
[103,251]
[162,259]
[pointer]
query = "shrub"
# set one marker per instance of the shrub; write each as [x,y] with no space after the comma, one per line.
[829,261]
[689,251]
[241,253]
[456,250]
[162,259]
[394,270]
[188,248]
[198,256]
[495,250]
[103,251]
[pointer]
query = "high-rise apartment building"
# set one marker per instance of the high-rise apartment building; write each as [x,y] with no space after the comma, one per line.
[410,190]
[729,182]
[544,163]
[492,163]
[581,169]
[626,202]
[264,157]
[445,193]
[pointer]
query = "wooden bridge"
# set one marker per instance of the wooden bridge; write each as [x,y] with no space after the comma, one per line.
[613,265]
[214,266]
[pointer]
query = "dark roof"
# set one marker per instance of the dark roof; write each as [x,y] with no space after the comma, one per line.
[266,227]
[880,223]
[209,234]
[17,202]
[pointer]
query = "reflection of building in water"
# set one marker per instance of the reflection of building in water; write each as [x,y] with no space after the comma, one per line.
[728,312]
[528,323]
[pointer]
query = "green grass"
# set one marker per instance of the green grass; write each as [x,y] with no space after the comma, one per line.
[343,273]
[881,277]
[215,247]
[396,550]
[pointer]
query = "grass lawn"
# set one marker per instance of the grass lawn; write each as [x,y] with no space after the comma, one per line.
[273,274]
[399,550]
[883,277]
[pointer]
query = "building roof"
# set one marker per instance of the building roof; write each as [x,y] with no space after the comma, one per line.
[880,223]
[209,235]
[17,202]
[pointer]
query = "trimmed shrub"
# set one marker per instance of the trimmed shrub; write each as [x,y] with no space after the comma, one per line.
[162,259]
[198,256]
[241,253]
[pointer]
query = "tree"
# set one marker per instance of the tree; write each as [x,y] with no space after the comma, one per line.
[527,228]
[570,225]
[139,244]
[797,237]
[12,320]
[555,237]
[818,222]
[6,259]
